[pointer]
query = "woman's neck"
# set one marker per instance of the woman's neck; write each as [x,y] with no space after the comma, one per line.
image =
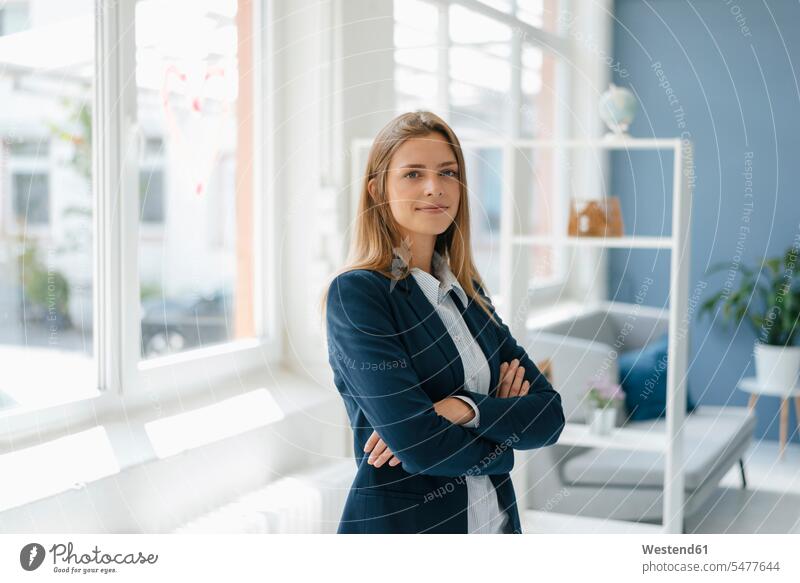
[421,249]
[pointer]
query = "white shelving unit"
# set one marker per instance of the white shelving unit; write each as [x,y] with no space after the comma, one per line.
[514,287]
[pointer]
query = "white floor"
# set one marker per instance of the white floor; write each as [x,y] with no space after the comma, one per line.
[770,504]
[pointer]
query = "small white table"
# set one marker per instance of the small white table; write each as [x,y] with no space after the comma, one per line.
[752,386]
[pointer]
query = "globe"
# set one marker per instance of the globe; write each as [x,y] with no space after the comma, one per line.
[617,109]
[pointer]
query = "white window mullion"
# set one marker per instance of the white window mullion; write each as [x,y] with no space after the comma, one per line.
[443,92]
[116,297]
[130,140]
[264,213]
[106,317]
[515,116]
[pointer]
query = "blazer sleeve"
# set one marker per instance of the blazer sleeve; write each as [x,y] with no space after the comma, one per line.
[374,369]
[533,421]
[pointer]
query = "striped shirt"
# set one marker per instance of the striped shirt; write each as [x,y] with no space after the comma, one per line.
[483,512]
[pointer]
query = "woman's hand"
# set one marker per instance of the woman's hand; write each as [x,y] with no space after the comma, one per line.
[512,384]
[511,380]
[454,410]
[380,451]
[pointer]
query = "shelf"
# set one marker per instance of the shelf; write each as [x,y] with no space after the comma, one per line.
[621,438]
[617,242]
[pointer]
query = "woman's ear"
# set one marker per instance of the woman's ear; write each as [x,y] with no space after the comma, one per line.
[371,186]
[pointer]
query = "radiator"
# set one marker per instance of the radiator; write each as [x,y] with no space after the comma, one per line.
[307,502]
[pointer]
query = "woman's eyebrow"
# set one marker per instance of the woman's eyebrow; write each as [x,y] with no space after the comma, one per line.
[453,162]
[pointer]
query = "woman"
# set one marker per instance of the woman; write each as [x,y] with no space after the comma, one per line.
[437,391]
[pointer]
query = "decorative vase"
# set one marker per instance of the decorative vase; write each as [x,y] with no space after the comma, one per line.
[595,217]
[603,420]
[777,367]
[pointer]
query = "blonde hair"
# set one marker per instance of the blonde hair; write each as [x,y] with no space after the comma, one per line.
[377,234]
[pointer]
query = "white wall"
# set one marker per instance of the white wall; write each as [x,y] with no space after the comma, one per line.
[345,75]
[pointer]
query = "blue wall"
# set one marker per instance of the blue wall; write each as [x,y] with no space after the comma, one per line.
[738,89]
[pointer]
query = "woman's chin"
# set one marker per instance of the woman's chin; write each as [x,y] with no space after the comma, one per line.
[433,232]
[432,226]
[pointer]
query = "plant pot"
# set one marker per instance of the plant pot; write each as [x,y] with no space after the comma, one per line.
[777,367]
[603,421]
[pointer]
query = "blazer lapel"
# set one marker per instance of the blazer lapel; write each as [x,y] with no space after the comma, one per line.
[435,327]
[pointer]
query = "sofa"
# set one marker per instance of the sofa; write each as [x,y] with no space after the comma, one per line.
[615,483]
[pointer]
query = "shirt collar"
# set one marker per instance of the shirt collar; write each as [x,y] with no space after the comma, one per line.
[437,286]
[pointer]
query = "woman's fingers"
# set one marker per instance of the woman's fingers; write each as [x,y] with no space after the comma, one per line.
[383,458]
[378,450]
[512,380]
[373,439]
[516,385]
[502,388]
[503,370]
[507,378]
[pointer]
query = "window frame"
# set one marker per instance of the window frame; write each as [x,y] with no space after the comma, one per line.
[125,382]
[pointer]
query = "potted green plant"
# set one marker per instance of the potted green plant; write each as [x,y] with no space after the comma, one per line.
[769,301]
[604,396]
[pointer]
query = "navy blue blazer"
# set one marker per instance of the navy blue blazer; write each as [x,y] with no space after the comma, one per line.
[392,358]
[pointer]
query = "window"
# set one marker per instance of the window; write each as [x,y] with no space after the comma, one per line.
[28,169]
[129,230]
[459,61]
[539,13]
[196,279]
[31,195]
[46,234]
[479,74]
[13,17]
[151,183]
[151,195]
[416,55]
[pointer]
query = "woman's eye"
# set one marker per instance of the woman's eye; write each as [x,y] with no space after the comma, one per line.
[415,174]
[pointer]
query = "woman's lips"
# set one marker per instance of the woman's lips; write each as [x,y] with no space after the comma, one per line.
[435,210]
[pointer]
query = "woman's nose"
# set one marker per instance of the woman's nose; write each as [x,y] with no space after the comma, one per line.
[433,187]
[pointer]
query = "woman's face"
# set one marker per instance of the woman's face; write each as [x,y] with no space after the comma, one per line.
[422,185]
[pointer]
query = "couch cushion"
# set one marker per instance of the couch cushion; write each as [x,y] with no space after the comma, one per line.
[643,376]
[712,436]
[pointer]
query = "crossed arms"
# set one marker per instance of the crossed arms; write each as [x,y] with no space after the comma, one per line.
[426,437]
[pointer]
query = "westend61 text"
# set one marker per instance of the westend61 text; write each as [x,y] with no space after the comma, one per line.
[675,550]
